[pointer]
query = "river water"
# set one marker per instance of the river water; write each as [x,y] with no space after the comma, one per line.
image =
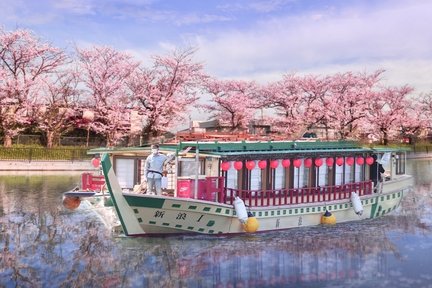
[45,245]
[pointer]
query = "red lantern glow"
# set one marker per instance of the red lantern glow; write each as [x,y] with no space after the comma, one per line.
[360,160]
[274,164]
[225,166]
[297,163]
[369,160]
[349,161]
[95,162]
[339,161]
[330,162]
[262,164]
[250,165]
[308,162]
[318,162]
[286,163]
[238,165]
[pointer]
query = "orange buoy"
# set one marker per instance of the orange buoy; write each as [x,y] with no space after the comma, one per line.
[71,203]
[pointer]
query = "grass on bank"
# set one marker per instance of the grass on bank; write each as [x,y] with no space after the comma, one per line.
[33,153]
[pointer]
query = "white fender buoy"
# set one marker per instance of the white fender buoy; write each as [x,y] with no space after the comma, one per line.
[356,202]
[240,209]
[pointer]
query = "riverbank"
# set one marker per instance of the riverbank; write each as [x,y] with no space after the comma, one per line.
[46,166]
[22,165]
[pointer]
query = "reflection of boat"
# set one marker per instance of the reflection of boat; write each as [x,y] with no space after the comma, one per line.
[221,188]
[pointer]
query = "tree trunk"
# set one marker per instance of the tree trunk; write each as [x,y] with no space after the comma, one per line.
[7,142]
[147,134]
[385,139]
[50,139]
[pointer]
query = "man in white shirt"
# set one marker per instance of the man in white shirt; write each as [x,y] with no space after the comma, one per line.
[153,169]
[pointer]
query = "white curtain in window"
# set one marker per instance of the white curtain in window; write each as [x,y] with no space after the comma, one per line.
[349,174]
[339,175]
[299,174]
[279,181]
[124,172]
[358,173]
[232,176]
[323,175]
[255,181]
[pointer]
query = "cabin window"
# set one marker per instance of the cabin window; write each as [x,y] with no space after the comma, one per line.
[349,174]
[301,176]
[279,180]
[124,167]
[255,178]
[322,179]
[400,163]
[339,175]
[188,167]
[359,173]
[232,177]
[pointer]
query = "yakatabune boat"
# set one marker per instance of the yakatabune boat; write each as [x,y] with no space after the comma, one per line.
[240,187]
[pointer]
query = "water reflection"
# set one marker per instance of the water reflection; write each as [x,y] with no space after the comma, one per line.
[44,245]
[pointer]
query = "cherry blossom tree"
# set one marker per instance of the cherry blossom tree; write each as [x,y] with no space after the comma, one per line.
[105,73]
[388,110]
[164,92]
[56,108]
[315,92]
[414,122]
[285,97]
[425,106]
[25,64]
[347,101]
[233,103]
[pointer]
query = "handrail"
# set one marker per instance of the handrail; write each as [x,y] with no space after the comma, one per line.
[259,198]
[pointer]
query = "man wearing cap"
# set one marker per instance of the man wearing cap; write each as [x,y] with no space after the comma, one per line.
[153,169]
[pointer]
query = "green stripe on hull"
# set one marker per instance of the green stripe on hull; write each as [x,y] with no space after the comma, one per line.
[374,208]
[134,201]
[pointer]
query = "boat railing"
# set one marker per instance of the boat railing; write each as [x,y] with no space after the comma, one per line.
[257,198]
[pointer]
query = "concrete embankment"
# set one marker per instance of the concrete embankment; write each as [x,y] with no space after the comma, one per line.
[419,155]
[46,166]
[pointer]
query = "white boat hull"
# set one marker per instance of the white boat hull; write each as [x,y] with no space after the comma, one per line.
[142,214]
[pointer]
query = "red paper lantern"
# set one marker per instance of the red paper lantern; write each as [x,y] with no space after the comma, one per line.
[262,164]
[286,163]
[330,162]
[297,163]
[250,165]
[360,160]
[308,162]
[225,166]
[369,160]
[95,162]
[339,161]
[274,164]
[349,161]
[318,162]
[238,165]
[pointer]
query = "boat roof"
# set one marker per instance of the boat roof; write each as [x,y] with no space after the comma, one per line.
[251,149]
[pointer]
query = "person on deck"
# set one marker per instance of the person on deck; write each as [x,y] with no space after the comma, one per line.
[153,169]
[376,170]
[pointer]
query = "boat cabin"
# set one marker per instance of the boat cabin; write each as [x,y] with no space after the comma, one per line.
[264,173]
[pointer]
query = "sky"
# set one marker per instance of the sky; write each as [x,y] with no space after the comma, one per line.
[248,39]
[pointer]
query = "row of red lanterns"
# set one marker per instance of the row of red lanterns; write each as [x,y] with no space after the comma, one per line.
[262,164]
